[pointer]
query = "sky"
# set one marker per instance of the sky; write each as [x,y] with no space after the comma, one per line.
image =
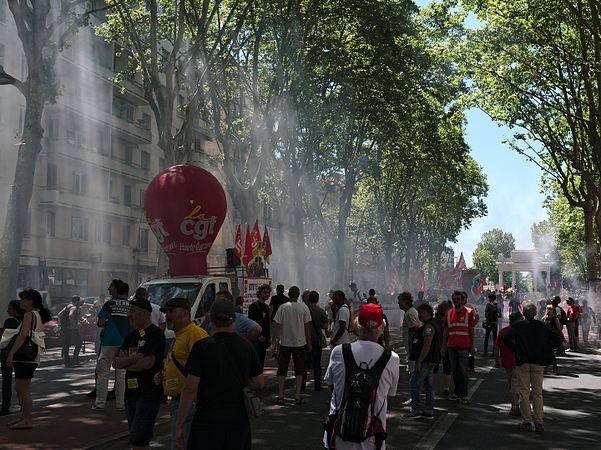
[514,200]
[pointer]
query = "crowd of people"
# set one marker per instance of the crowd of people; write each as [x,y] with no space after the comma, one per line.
[209,370]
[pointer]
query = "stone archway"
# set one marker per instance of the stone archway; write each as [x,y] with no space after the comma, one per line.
[526,261]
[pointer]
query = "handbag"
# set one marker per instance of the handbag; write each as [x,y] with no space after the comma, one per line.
[252,403]
[28,351]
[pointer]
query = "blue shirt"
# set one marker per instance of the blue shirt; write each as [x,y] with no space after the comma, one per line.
[242,325]
[114,311]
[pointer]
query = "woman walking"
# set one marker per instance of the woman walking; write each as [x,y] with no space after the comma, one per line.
[34,317]
[13,321]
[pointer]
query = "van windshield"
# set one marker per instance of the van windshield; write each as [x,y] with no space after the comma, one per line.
[160,293]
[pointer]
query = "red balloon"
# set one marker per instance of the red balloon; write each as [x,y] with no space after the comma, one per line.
[185,207]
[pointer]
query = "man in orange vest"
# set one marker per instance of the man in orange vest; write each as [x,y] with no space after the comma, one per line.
[458,341]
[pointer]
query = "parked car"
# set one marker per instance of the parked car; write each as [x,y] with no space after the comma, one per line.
[87,328]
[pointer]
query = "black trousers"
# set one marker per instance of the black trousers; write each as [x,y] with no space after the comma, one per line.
[7,384]
[71,337]
[491,328]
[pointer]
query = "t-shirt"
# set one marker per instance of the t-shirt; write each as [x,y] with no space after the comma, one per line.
[149,341]
[242,325]
[277,301]
[365,353]
[292,317]
[157,317]
[410,320]
[117,325]
[430,328]
[358,300]
[10,323]
[184,342]
[342,315]
[573,313]
[506,355]
[224,362]
[259,312]
[318,319]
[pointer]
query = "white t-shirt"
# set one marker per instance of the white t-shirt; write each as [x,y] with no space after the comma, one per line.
[410,320]
[157,317]
[292,316]
[343,314]
[368,352]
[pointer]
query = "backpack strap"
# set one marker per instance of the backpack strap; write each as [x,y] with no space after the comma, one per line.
[350,366]
[380,365]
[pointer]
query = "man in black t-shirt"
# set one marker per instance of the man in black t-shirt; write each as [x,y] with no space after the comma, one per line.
[219,368]
[277,300]
[15,315]
[259,312]
[141,356]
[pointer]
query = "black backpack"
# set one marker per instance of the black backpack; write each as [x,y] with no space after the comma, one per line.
[563,319]
[356,419]
[63,317]
[491,313]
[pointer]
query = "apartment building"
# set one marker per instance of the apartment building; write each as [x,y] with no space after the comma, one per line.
[86,220]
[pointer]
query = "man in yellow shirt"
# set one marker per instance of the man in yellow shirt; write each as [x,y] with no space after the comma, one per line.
[187,333]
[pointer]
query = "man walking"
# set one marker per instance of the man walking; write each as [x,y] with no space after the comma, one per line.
[351,365]
[319,323]
[342,317]
[187,333]
[505,358]
[573,315]
[292,337]
[69,318]
[491,319]
[114,319]
[219,368]
[141,356]
[358,298]
[259,312]
[533,343]
[458,341]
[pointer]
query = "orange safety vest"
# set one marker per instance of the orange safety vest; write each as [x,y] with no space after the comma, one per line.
[458,323]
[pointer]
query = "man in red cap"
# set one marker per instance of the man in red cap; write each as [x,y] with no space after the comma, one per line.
[356,368]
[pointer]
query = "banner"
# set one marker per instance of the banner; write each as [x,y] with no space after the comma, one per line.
[266,245]
[257,243]
[238,249]
[248,250]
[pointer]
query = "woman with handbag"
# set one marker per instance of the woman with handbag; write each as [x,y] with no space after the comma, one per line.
[24,352]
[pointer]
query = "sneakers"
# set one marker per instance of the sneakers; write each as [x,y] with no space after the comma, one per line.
[413,415]
[91,394]
[427,415]
[453,397]
[527,426]
[514,412]
[96,408]
[538,427]
[407,402]
[464,401]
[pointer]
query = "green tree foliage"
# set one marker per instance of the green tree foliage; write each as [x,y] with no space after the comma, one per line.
[491,245]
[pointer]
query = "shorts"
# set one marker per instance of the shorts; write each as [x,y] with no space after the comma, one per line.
[298,358]
[512,381]
[24,370]
[141,415]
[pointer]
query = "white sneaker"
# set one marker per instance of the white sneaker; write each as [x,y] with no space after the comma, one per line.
[96,408]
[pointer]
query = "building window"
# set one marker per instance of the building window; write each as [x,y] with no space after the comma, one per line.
[52,127]
[51,176]
[142,197]
[106,233]
[145,121]
[79,228]
[198,145]
[124,109]
[126,238]
[2,11]
[143,240]
[126,194]
[79,183]
[128,153]
[50,224]
[1,45]
[145,160]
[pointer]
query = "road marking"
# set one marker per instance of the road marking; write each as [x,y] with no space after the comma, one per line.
[437,432]
[442,425]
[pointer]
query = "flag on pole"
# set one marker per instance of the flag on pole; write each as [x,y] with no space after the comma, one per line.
[248,250]
[266,245]
[394,283]
[238,248]
[257,243]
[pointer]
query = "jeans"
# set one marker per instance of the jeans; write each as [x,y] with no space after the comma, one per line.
[71,337]
[531,376]
[173,413]
[490,329]
[103,368]
[7,384]
[458,358]
[314,360]
[422,380]
[141,411]
[572,335]
[261,349]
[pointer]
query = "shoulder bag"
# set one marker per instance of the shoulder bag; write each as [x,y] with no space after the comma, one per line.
[28,351]
[322,338]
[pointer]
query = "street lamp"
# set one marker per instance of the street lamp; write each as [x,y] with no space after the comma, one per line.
[6,78]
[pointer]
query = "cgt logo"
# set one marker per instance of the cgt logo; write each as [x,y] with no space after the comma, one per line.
[197,225]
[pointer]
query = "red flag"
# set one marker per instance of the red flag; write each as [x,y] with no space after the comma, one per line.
[394,284]
[238,249]
[257,243]
[248,250]
[266,245]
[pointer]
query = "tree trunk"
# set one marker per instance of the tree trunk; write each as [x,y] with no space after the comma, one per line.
[590,253]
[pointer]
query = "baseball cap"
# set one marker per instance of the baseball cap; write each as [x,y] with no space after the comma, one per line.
[176,303]
[141,303]
[371,316]
[222,309]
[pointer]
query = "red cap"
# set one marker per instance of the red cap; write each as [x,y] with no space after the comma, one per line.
[371,315]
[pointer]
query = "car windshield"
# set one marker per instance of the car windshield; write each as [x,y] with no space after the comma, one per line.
[160,293]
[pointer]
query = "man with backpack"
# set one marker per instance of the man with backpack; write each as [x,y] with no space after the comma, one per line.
[361,376]
[342,319]
[69,318]
[563,321]
[491,321]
